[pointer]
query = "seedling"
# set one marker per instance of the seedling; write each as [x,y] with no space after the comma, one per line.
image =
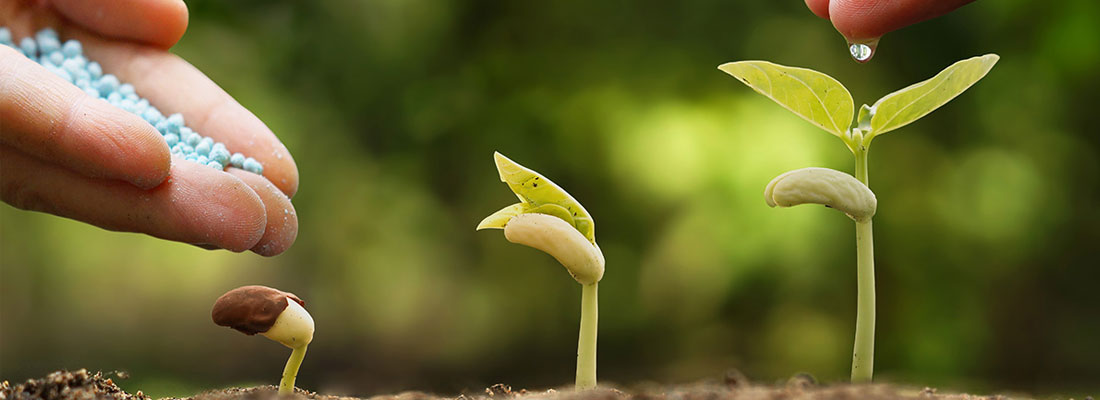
[824,102]
[278,315]
[549,219]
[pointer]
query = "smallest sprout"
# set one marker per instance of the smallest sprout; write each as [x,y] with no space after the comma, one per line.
[278,315]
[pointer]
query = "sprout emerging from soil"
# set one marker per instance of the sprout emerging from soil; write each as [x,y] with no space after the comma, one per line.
[824,102]
[278,315]
[549,219]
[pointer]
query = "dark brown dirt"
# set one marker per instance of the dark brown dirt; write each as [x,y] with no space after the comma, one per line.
[76,385]
[734,386]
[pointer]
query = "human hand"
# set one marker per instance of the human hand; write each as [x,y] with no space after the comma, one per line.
[66,153]
[867,20]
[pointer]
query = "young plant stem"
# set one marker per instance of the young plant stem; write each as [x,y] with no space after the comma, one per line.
[586,345]
[290,373]
[863,354]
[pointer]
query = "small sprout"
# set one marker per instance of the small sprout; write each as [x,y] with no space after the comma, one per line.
[278,315]
[549,219]
[824,186]
[823,101]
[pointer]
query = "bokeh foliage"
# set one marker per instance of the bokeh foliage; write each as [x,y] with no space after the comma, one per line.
[987,233]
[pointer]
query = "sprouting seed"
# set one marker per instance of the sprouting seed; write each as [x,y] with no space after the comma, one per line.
[275,314]
[549,219]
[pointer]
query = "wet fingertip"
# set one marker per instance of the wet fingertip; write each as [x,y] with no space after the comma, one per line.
[819,7]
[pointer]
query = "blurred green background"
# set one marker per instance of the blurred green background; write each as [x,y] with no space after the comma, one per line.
[987,232]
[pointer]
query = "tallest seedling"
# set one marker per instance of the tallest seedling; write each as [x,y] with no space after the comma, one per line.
[824,102]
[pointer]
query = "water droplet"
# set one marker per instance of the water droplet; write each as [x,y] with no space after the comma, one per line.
[863,51]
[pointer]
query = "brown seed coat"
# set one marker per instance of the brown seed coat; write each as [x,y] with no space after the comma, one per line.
[251,309]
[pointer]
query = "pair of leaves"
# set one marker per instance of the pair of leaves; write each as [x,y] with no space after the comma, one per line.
[826,103]
[537,195]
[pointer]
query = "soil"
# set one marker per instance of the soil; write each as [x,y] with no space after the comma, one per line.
[734,386]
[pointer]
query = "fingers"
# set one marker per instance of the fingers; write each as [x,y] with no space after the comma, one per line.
[870,19]
[49,118]
[197,204]
[159,23]
[282,220]
[174,85]
[819,7]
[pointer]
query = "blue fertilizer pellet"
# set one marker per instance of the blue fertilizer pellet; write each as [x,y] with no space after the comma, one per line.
[203,148]
[176,120]
[47,45]
[107,84]
[68,64]
[29,48]
[56,58]
[220,155]
[150,115]
[192,139]
[44,33]
[72,48]
[253,166]
[95,70]
[67,61]
[237,160]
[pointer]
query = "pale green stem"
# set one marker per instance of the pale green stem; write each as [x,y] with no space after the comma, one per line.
[586,345]
[863,354]
[290,373]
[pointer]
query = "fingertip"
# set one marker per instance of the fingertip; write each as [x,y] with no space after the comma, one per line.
[156,22]
[176,16]
[282,220]
[287,181]
[860,20]
[154,164]
[854,19]
[230,214]
[819,7]
[127,147]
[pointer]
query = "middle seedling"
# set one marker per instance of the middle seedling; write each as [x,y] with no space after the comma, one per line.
[549,219]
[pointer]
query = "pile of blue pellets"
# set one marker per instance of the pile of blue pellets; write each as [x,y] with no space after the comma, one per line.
[67,61]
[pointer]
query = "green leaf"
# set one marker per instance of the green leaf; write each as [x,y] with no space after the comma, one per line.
[910,104]
[500,218]
[863,120]
[535,191]
[812,95]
